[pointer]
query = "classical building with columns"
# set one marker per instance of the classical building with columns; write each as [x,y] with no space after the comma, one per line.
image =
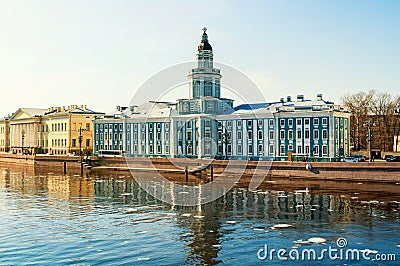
[56,130]
[208,126]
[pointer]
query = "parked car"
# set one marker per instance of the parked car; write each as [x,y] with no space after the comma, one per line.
[393,159]
[350,159]
[360,158]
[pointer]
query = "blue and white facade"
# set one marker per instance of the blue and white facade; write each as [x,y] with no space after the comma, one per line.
[208,126]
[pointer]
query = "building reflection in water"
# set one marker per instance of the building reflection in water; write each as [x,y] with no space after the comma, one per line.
[204,226]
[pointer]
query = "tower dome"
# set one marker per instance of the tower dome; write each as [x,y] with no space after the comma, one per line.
[204,45]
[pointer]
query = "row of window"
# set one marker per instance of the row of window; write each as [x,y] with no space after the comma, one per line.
[135,126]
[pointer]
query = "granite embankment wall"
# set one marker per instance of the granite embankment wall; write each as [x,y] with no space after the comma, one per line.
[365,171]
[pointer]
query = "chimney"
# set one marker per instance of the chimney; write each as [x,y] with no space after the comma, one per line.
[289,98]
[300,97]
[132,108]
[118,108]
[282,100]
[319,97]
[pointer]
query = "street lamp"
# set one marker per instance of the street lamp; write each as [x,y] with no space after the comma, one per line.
[369,124]
[80,138]
[23,138]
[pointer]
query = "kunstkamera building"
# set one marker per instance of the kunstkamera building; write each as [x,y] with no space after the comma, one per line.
[208,126]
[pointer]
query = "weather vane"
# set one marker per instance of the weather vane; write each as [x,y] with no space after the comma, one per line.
[204,29]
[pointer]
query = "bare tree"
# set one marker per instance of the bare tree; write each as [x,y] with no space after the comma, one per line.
[359,105]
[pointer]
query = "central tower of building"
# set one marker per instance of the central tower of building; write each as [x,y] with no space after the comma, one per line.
[205,80]
[205,84]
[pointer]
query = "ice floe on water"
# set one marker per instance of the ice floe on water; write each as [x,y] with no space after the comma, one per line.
[126,194]
[317,240]
[216,246]
[198,216]
[129,210]
[186,214]
[143,258]
[230,222]
[301,241]
[276,226]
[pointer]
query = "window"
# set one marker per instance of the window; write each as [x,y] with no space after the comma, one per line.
[290,134]
[271,149]
[250,135]
[158,126]
[239,135]
[166,136]
[135,148]
[271,134]
[73,142]
[324,150]
[87,142]
[88,126]
[316,121]
[229,135]
[167,149]
[189,136]
[179,135]
[307,134]
[249,123]
[159,149]
[229,147]
[298,121]
[282,134]
[207,134]
[239,149]
[271,122]
[167,126]
[189,149]
[250,151]
[316,135]
[260,135]
[134,136]
[229,124]
[158,135]
[151,136]
[150,126]
[151,148]
[298,134]
[260,149]
[290,122]
[239,123]
[207,123]
[307,149]
[189,124]
[307,121]
[299,149]
[260,123]
[290,147]
[324,134]
[324,121]
[207,148]
[282,122]
[316,151]
[135,126]
[282,150]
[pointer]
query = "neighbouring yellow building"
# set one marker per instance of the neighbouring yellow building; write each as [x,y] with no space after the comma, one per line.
[56,130]
[4,133]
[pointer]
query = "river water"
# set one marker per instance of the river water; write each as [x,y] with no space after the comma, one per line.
[48,218]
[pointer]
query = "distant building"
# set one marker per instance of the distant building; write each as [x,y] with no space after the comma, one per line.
[4,135]
[55,130]
[208,126]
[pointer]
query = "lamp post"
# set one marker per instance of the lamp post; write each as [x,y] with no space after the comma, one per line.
[80,138]
[369,124]
[23,138]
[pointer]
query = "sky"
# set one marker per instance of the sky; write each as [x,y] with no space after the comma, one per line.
[98,53]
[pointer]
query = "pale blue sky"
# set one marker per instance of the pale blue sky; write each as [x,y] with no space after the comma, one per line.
[55,53]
